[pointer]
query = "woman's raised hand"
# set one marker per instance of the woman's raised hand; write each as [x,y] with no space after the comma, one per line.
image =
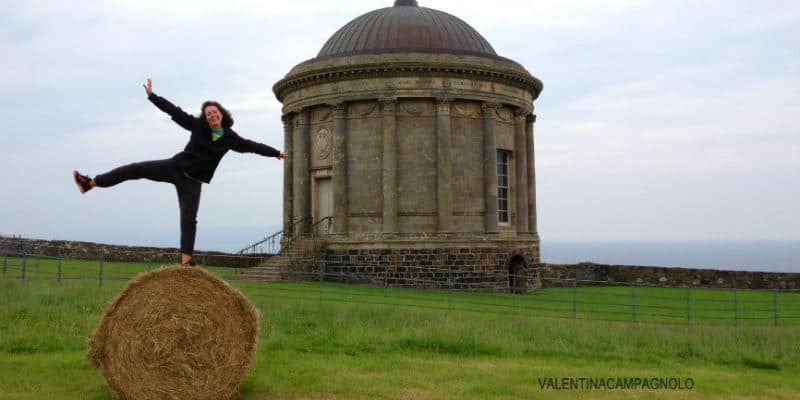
[148,87]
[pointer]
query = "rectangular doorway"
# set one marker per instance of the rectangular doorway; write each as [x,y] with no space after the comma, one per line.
[324,204]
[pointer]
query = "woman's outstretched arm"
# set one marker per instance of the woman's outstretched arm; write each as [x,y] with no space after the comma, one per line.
[182,118]
[242,145]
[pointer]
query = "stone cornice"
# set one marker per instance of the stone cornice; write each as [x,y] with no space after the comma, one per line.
[333,72]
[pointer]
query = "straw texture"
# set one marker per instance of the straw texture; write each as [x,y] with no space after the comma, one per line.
[176,333]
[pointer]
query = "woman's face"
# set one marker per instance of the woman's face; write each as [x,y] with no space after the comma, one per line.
[213,116]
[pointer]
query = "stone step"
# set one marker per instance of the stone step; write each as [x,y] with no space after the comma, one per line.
[271,273]
[270,270]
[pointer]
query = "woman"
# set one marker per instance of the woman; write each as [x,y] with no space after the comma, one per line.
[211,137]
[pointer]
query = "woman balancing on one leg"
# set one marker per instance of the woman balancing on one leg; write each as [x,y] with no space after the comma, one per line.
[211,138]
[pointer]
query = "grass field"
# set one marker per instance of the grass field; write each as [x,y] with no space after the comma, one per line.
[334,341]
[681,306]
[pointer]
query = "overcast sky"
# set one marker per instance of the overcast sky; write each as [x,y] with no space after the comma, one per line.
[659,120]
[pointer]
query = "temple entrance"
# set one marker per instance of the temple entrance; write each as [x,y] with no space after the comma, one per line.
[324,204]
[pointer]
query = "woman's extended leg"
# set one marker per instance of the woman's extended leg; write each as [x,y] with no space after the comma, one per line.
[158,170]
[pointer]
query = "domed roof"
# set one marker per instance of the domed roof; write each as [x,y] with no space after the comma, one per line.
[406,27]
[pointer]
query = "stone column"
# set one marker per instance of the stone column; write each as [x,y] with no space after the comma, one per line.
[532,228]
[489,111]
[288,172]
[444,169]
[339,169]
[301,181]
[389,127]
[521,170]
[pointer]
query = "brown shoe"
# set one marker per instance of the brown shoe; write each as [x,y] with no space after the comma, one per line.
[82,181]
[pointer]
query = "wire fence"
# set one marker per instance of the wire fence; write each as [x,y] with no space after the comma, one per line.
[489,291]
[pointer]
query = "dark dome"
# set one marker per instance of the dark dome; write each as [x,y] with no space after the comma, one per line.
[406,27]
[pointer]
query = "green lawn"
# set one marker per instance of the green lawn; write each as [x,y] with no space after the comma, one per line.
[679,306]
[335,341]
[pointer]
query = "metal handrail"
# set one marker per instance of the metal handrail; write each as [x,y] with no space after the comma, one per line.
[289,235]
[325,223]
[282,233]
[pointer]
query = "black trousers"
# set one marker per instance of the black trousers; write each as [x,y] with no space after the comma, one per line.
[164,171]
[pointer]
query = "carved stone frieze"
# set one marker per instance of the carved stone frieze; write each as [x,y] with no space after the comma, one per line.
[416,108]
[363,109]
[466,109]
[504,114]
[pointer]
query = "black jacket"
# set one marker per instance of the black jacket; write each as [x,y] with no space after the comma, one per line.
[201,156]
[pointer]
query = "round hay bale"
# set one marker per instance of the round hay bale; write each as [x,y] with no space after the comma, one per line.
[176,333]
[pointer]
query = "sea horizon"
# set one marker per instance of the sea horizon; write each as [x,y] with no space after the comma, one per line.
[736,255]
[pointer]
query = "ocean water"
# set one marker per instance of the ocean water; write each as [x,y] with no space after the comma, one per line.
[774,256]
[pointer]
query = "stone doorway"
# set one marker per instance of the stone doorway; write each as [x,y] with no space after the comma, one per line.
[324,204]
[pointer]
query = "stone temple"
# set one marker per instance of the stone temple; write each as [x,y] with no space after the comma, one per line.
[414,139]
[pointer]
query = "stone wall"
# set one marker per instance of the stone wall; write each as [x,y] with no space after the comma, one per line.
[457,268]
[94,251]
[554,275]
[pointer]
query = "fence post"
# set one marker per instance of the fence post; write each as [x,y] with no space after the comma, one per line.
[386,282]
[150,261]
[689,305]
[59,266]
[514,292]
[574,299]
[24,261]
[100,278]
[633,301]
[261,276]
[450,289]
[322,268]
[775,305]
[319,265]
[5,262]
[735,305]
[320,284]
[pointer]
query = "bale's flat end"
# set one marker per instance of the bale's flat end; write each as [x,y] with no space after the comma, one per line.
[176,333]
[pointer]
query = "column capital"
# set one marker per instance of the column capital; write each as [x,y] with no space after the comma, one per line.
[489,109]
[520,115]
[304,115]
[339,110]
[443,105]
[389,104]
[531,118]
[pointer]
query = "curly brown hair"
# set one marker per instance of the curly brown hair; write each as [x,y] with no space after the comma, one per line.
[227,119]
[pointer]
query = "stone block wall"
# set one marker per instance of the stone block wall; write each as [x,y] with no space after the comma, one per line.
[554,275]
[456,268]
[95,251]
